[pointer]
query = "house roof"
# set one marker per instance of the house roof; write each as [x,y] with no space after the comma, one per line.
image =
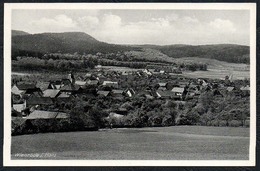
[92,82]
[33,100]
[230,88]
[162,84]
[63,95]
[51,93]
[62,115]
[109,82]
[165,93]
[70,87]
[65,81]
[178,89]
[115,115]
[25,86]
[245,88]
[117,91]
[40,114]
[80,83]
[43,85]
[105,93]
[19,107]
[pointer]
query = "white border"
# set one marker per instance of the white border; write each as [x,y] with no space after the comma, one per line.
[198,6]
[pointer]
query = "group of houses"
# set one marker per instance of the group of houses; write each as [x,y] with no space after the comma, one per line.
[27,98]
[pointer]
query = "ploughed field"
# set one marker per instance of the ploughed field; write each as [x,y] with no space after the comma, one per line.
[161,143]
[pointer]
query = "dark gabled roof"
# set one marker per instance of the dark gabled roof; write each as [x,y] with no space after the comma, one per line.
[43,85]
[39,101]
[70,87]
[32,90]
[25,86]
[65,81]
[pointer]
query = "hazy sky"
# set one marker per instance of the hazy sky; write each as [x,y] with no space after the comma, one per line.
[141,26]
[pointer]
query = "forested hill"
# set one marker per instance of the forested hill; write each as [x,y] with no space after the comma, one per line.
[69,42]
[223,52]
[25,44]
[19,33]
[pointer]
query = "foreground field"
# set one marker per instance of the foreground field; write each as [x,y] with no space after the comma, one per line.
[166,143]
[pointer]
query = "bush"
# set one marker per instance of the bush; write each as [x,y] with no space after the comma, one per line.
[215,122]
[222,123]
[235,123]
[247,123]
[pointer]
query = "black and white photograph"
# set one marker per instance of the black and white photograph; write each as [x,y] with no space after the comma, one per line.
[101,84]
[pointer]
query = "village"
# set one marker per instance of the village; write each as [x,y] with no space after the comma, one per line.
[118,95]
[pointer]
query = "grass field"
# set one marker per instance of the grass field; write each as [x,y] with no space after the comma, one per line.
[217,74]
[165,143]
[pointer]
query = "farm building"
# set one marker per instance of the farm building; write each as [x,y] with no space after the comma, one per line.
[40,114]
[178,91]
[110,84]
[51,93]
[22,88]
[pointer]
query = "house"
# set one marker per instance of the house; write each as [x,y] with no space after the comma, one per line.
[162,72]
[43,85]
[64,98]
[229,89]
[162,84]
[183,83]
[117,92]
[40,114]
[63,95]
[16,98]
[202,82]
[19,107]
[51,93]
[66,81]
[114,115]
[129,92]
[124,73]
[164,94]
[147,72]
[80,83]
[33,100]
[103,93]
[22,88]
[216,92]
[71,79]
[121,111]
[55,84]
[145,94]
[178,91]
[92,82]
[245,88]
[110,84]
[70,88]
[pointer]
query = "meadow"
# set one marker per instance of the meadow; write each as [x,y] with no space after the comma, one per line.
[160,143]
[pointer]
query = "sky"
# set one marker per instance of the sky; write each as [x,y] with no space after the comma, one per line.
[160,27]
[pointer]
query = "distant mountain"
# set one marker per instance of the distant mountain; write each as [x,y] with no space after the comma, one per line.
[223,52]
[24,44]
[68,42]
[19,33]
